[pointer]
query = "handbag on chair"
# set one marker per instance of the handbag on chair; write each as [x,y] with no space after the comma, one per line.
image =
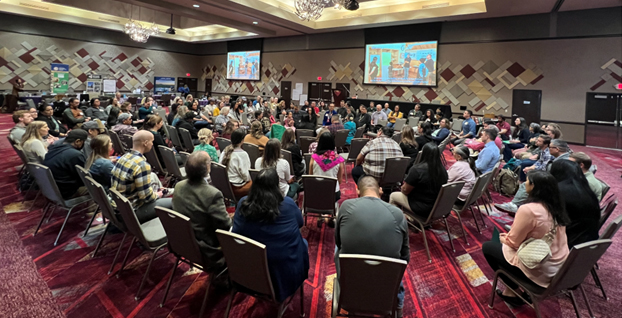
[532,252]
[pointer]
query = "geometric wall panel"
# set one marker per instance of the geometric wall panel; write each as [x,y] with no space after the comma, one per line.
[33,66]
[612,72]
[269,81]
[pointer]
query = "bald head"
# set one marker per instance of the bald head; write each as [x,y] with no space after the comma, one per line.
[142,141]
[368,187]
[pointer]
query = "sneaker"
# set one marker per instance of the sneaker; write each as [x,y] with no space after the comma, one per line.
[399,313]
[508,207]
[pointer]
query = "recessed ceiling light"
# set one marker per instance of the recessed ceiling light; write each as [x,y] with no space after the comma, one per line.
[255,22]
[195,5]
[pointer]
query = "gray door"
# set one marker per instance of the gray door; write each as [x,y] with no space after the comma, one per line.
[526,103]
[602,120]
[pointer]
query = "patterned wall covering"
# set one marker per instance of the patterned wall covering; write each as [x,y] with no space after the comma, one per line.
[473,85]
[33,66]
[612,72]
[270,82]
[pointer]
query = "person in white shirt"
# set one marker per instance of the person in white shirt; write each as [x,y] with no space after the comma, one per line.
[462,170]
[272,160]
[35,148]
[238,163]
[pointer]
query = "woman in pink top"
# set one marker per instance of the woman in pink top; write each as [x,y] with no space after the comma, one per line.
[533,220]
[462,170]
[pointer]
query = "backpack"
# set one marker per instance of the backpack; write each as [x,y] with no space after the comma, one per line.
[512,164]
[506,182]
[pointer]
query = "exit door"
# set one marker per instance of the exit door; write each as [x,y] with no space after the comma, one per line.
[603,117]
[526,103]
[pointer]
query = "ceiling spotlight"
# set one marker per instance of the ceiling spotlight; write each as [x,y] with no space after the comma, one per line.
[195,5]
[352,5]
[255,22]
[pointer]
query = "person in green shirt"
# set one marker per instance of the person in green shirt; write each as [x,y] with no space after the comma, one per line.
[205,140]
[585,162]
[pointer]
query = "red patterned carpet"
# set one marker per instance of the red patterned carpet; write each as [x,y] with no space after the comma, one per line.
[453,285]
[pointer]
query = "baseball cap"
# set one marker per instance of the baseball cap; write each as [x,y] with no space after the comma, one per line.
[94,124]
[123,117]
[76,134]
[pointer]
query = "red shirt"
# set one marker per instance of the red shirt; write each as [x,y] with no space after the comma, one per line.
[504,125]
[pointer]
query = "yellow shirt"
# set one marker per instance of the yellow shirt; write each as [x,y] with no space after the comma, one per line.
[392,116]
[216,111]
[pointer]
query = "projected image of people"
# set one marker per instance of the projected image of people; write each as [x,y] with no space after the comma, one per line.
[401,63]
[243,65]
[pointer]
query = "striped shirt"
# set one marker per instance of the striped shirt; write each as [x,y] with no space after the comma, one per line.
[131,176]
[376,152]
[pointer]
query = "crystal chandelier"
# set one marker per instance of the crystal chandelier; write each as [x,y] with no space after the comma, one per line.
[339,4]
[138,32]
[311,10]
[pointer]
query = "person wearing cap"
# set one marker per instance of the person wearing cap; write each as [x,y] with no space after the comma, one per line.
[93,128]
[96,111]
[124,125]
[62,158]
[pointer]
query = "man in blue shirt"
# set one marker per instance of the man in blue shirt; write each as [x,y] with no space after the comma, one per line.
[489,156]
[468,128]
[329,114]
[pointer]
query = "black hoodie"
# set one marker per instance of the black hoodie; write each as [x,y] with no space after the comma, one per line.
[62,159]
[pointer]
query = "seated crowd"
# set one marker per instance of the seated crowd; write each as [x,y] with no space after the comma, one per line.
[559,194]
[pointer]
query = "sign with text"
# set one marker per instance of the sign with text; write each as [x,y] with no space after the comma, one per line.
[60,78]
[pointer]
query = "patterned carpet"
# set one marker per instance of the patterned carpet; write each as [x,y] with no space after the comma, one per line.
[453,285]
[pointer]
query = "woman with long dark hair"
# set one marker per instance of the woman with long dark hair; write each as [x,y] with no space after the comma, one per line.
[325,161]
[308,119]
[462,170]
[231,125]
[580,201]
[425,135]
[542,217]
[288,142]
[409,145]
[271,159]
[444,130]
[522,138]
[238,163]
[271,219]
[429,117]
[423,183]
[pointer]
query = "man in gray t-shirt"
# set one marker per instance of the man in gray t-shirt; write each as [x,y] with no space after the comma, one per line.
[368,225]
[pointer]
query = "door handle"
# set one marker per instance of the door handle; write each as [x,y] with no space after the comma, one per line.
[602,122]
[514,115]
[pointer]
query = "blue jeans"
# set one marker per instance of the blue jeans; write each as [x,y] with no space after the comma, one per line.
[524,164]
[406,70]
[390,125]
[521,195]
[507,150]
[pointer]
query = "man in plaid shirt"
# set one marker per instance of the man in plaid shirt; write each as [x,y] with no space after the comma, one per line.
[372,157]
[132,177]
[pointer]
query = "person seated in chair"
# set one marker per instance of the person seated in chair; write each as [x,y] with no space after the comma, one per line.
[372,157]
[335,125]
[124,125]
[188,123]
[468,128]
[369,226]
[270,218]
[62,159]
[237,162]
[21,118]
[94,128]
[96,111]
[489,156]
[585,162]
[57,129]
[394,115]
[205,206]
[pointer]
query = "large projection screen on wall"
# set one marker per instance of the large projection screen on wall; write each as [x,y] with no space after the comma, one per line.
[407,64]
[244,65]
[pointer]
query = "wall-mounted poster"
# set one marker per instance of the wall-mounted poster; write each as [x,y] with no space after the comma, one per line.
[60,78]
[110,86]
[94,84]
[164,85]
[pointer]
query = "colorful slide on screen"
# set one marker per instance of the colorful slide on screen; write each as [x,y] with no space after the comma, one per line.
[411,63]
[243,65]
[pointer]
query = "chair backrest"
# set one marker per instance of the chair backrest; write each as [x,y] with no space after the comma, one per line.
[607,210]
[612,228]
[307,161]
[397,137]
[186,139]
[172,166]
[83,173]
[245,120]
[44,178]
[184,157]
[445,200]
[161,112]
[359,132]
[369,284]
[319,195]
[479,131]
[382,122]
[242,253]
[20,153]
[222,143]
[303,133]
[394,170]
[340,138]
[320,117]
[180,235]
[443,144]
[127,141]
[117,145]
[129,217]
[605,188]
[287,155]
[413,121]
[399,124]
[252,151]
[152,159]
[305,142]
[478,188]
[100,198]
[457,125]
[31,103]
[220,180]
[356,145]
[174,136]
[418,159]
[578,265]
[253,173]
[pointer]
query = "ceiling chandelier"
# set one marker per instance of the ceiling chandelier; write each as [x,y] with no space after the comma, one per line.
[138,32]
[311,10]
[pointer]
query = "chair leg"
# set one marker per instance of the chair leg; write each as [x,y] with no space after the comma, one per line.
[598,283]
[425,242]
[53,207]
[449,235]
[147,272]
[101,239]
[43,212]
[34,201]
[231,295]
[32,185]
[114,261]
[282,309]
[168,284]
[63,226]
[475,220]
[126,256]
[91,222]
[587,301]
[494,291]
[574,303]
[536,307]
[208,285]
[481,215]
[463,230]
[302,299]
